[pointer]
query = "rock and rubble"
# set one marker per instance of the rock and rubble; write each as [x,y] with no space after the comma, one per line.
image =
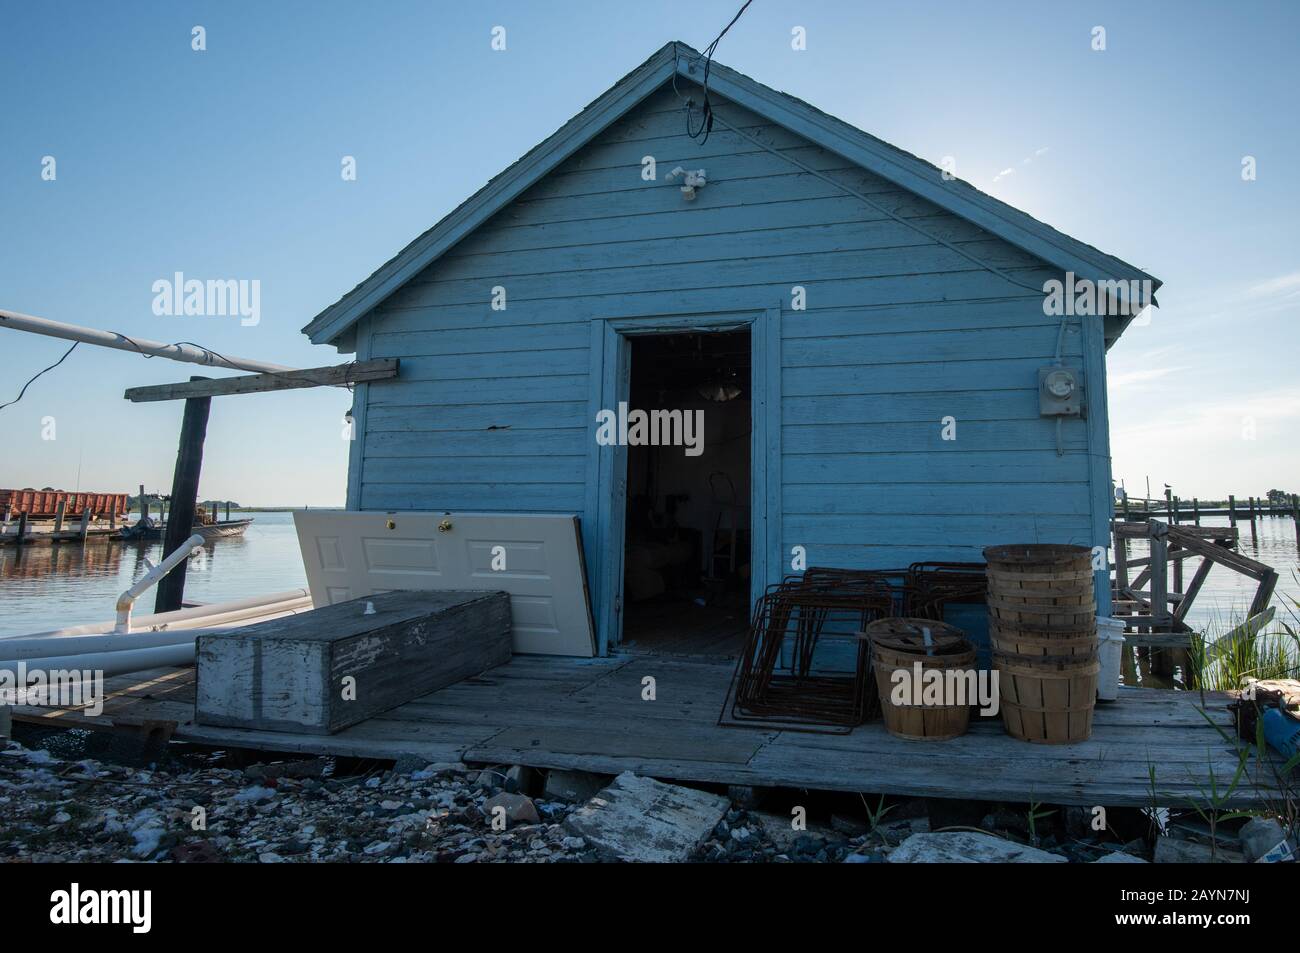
[316,810]
[86,810]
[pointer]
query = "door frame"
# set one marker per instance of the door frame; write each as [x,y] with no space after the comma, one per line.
[604,521]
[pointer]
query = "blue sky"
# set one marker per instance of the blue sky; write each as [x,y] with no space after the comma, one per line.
[225,163]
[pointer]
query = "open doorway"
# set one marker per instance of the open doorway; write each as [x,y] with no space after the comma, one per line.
[686,566]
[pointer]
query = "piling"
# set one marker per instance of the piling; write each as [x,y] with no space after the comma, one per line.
[1253,537]
[84,530]
[1232,510]
[185,492]
[1196,510]
[22,528]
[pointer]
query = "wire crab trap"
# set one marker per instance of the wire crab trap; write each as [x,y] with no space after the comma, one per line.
[805,666]
[930,587]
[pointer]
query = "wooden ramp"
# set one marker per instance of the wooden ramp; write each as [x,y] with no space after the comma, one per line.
[589,714]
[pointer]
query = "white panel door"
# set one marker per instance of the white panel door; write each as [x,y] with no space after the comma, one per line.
[536,558]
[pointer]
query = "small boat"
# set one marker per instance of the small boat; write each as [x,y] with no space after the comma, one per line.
[149,529]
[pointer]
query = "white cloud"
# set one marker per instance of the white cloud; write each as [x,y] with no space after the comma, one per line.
[1011,170]
[1286,285]
[1132,380]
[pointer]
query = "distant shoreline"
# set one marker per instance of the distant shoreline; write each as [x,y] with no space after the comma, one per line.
[279,509]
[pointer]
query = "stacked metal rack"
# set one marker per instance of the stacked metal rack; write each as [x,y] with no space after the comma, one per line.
[805,666]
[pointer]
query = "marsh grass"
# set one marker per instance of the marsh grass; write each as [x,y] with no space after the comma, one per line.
[1273,652]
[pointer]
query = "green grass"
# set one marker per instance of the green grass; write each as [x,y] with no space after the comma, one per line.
[1273,652]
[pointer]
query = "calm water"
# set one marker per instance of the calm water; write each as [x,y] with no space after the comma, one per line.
[52,586]
[47,587]
[1226,595]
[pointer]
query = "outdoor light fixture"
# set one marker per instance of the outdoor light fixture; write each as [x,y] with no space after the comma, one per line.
[694,179]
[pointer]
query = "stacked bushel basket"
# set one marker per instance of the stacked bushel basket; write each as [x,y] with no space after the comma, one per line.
[1043,632]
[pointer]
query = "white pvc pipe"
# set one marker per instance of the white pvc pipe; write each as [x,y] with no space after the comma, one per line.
[146,582]
[15,650]
[189,618]
[117,655]
[108,663]
[176,352]
[36,647]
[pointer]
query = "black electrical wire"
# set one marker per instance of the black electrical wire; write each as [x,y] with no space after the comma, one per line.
[33,380]
[706,109]
[346,386]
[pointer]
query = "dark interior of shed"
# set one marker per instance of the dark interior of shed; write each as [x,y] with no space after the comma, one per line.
[687,563]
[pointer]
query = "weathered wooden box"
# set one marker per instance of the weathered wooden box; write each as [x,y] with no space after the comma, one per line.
[324,670]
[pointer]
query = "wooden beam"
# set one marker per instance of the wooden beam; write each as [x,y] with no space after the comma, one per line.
[1159,570]
[353,373]
[185,492]
[1198,580]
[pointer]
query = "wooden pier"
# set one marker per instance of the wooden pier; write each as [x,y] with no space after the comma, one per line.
[588,714]
[1152,593]
[21,532]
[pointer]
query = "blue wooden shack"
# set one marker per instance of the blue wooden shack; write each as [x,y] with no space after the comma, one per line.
[866,336]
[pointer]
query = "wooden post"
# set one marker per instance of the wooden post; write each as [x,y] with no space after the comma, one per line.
[1295,515]
[1177,510]
[84,530]
[1159,575]
[185,492]
[1232,510]
[1169,505]
[1196,510]
[1178,569]
[1126,517]
[227,511]
[22,528]
[58,515]
[144,507]
[1252,520]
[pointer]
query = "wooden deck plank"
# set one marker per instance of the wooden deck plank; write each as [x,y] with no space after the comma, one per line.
[589,714]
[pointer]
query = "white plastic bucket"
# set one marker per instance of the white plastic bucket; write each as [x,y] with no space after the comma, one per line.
[1110,651]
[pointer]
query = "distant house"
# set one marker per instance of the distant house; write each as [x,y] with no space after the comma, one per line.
[866,336]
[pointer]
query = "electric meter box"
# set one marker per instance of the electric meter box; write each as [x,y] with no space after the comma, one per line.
[1059,392]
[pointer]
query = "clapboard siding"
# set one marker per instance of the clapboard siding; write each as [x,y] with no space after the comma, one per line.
[490,497]
[774,213]
[721,246]
[907,469]
[623,277]
[518,415]
[492,408]
[937,499]
[907,378]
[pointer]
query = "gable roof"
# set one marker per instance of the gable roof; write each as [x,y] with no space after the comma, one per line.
[677,59]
